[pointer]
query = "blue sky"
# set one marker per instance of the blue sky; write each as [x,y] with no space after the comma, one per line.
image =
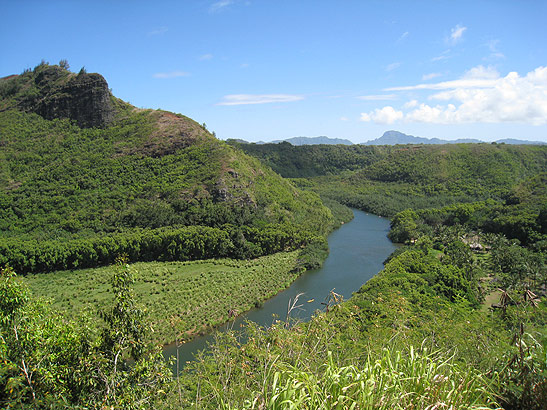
[275,69]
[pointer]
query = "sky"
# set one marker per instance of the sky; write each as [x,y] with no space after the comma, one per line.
[262,70]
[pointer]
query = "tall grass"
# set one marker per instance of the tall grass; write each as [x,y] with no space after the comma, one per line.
[394,380]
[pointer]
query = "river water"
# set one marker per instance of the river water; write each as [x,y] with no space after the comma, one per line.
[357,250]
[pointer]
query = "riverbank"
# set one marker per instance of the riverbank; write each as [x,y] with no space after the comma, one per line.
[186,299]
[182,299]
[357,251]
[415,333]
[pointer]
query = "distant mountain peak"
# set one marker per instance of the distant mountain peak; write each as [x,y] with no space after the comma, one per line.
[395,137]
[314,141]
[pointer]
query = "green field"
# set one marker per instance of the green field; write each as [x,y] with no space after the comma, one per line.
[187,296]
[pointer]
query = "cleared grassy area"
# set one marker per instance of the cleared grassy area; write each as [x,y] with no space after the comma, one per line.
[184,298]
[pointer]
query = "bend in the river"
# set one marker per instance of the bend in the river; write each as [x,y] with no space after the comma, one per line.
[357,251]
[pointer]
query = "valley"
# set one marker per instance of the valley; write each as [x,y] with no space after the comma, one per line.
[123,229]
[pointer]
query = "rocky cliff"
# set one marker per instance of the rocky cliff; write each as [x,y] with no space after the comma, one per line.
[54,92]
[85,98]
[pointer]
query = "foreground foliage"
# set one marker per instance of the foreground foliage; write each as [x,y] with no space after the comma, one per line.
[393,381]
[47,361]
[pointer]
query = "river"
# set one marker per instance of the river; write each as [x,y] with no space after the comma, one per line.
[357,250]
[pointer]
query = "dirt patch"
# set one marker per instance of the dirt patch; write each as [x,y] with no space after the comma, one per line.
[490,299]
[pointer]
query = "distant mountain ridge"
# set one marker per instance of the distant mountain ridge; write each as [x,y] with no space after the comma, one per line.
[314,141]
[396,137]
[389,138]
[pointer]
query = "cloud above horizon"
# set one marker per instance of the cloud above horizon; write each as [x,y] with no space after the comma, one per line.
[171,74]
[219,5]
[393,66]
[403,36]
[386,115]
[247,99]
[377,97]
[480,96]
[430,76]
[456,34]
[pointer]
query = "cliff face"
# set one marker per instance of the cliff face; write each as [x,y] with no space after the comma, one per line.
[84,98]
[54,92]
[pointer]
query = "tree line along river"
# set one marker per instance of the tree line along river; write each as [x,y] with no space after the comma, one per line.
[357,251]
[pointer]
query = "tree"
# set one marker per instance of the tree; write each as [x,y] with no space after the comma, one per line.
[49,362]
[131,372]
[403,226]
[64,64]
[39,351]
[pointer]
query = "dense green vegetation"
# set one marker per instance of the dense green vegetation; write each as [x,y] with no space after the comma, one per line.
[187,243]
[183,299]
[418,319]
[78,197]
[521,216]
[47,362]
[160,189]
[385,180]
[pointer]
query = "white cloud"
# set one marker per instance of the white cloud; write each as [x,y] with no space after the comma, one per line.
[205,57]
[482,72]
[477,77]
[344,119]
[456,34]
[445,55]
[245,99]
[430,76]
[172,74]
[411,104]
[392,66]
[379,97]
[480,96]
[365,117]
[403,36]
[495,54]
[159,31]
[386,115]
[219,5]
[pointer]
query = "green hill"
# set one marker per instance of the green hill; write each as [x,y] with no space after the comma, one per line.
[78,164]
[388,179]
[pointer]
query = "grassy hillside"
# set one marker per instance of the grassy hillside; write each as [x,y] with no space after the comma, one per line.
[387,179]
[140,170]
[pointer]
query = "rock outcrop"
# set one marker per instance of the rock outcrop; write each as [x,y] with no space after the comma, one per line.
[54,92]
[84,98]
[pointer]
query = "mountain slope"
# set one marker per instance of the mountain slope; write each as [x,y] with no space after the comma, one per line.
[62,179]
[387,179]
[396,137]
